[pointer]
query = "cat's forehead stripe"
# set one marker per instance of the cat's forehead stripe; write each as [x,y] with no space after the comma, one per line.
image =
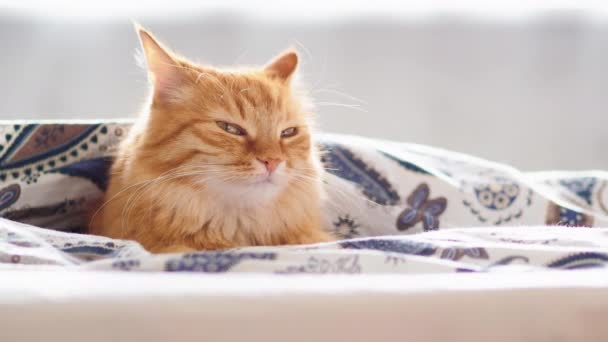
[257,94]
[238,101]
[253,97]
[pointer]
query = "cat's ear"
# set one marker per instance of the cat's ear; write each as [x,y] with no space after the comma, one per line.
[164,70]
[283,66]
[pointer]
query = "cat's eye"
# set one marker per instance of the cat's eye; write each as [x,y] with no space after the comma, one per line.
[289,132]
[231,128]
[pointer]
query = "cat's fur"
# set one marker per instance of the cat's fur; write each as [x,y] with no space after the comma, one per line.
[180,182]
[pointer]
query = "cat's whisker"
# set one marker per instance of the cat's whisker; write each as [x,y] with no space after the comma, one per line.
[345,105]
[200,74]
[322,73]
[240,56]
[315,169]
[126,207]
[303,47]
[337,190]
[164,175]
[337,92]
[140,192]
[121,192]
[306,185]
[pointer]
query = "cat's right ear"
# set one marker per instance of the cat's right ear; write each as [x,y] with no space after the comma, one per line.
[164,71]
[283,66]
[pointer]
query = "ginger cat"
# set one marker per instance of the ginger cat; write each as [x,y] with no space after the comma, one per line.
[219,159]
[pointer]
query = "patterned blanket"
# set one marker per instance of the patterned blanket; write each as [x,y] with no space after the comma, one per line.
[398,208]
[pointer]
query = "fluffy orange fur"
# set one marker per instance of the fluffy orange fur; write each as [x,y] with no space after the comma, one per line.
[219,159]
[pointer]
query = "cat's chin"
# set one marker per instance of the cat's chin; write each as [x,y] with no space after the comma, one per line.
[263,188]
[254,192]
[264,180]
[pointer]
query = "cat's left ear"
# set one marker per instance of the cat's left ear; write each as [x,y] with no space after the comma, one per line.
[283,66]
[165,71]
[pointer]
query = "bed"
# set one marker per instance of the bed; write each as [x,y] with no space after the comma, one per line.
[433,245]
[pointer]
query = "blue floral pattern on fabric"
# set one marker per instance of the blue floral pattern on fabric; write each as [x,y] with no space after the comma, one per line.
[422,209]
[570,217]
[33,144]
[457,253]
[581,260]
[582,187]
[346,227]
[345,164]
[212,262]
[509,260]
[9,195]
[561,216]
[387,245]
[95,170]
[33,155]
[471,251]
[316,265]
[52,174]
[126,265]
[37,158]
[406,164]
[55,209]
[497,195]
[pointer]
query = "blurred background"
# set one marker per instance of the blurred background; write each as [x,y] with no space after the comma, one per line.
[520,82]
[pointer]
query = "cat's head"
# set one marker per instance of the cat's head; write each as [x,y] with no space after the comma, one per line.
[243,133]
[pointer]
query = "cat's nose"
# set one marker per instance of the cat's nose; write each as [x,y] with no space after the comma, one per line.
[271,164]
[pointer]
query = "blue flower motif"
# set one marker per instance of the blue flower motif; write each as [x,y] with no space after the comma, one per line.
[422,209]
[497,195]
[346,227]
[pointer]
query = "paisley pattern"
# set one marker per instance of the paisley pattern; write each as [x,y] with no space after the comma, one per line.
[581,260]
[9,195]
[33,144]
[343,163]
[398,246]
[95,170]
[406,164]
[89,252]
[66,162]
[62,208]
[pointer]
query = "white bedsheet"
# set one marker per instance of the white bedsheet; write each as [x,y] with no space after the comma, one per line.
[59,305]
